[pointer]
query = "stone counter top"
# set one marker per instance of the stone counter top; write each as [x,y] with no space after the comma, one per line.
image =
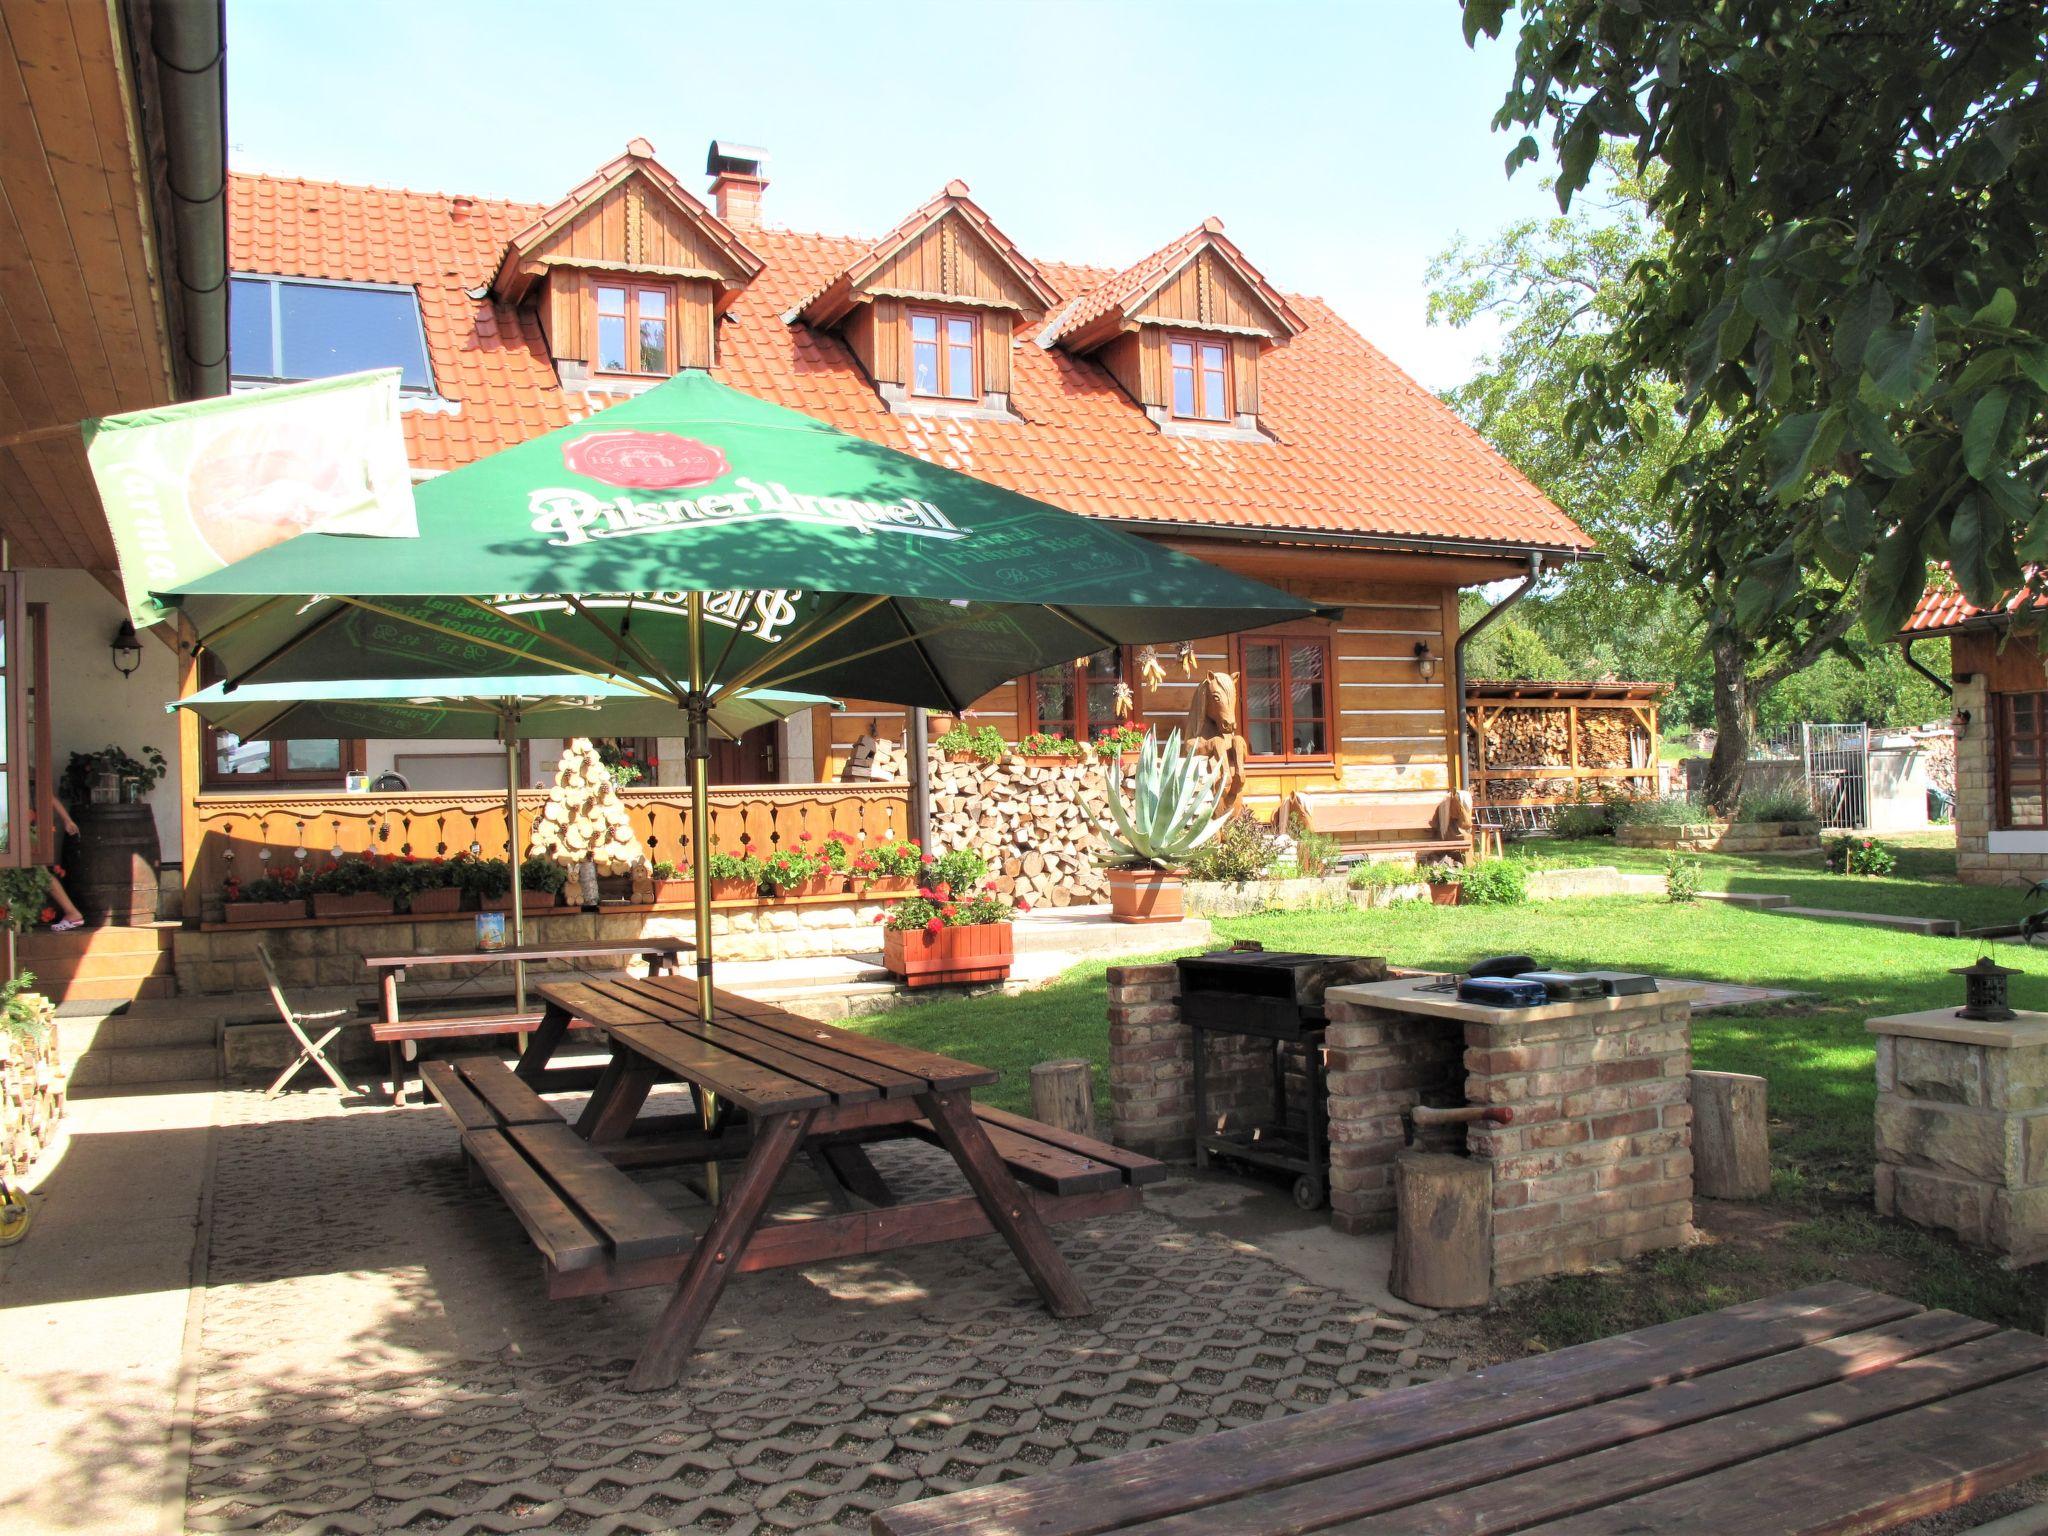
[2028,1029]
[1409,994]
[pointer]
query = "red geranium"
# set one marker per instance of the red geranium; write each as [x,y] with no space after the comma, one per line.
[934,925]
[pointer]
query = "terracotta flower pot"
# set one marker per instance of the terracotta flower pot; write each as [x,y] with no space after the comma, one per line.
[981,952]
[263,911]
[529,901]
[445,898]
[1048,759]
[1144,896]
[351,904]
[1444,893]
[737,888]
[675,893]
[886,885]
[963,757]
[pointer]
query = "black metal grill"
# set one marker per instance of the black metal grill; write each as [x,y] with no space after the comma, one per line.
[1277,997]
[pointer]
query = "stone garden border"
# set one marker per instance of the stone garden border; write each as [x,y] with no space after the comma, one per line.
[1723,836]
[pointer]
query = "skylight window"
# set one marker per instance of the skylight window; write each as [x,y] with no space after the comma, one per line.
[283,329]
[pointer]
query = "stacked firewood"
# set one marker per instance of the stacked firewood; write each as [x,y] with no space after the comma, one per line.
[1528,737]
[1611,738]
[1035,824]
[31,1087]
[583,820]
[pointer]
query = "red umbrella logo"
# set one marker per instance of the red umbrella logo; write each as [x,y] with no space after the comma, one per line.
[645,461]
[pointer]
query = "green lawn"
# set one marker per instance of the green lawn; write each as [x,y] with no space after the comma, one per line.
[1815,1052]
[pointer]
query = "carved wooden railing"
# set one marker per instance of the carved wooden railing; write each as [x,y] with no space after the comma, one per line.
[253,835]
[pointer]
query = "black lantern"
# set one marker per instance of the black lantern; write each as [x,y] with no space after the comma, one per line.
[1984,991]
[127,649]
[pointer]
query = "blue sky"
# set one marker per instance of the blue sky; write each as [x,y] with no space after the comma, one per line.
[1343,145]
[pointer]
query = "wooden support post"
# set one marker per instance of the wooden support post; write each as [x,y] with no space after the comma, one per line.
[1063,1095]
[1731,1138]
[1443,1234]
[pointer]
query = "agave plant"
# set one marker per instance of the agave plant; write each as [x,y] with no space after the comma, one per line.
[1172,807]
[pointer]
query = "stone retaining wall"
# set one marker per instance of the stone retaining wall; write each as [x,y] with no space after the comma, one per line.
[1225,898]
[1724,836]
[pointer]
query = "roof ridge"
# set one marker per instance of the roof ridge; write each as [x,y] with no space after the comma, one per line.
[379,186]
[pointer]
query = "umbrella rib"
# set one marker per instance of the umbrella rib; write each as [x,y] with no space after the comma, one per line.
[608,677]
[732,638]
[625,643]
[1079,623]
[247,615]
[931,667]
[839,661]
[570,646]
[279,652]
[823,628]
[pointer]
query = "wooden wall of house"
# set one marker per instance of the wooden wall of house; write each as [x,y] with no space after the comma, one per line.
[2011,663]
[566,312]
[1207,293]
[949,261]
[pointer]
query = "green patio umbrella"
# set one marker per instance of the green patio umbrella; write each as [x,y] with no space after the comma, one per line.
[505,709]
[694,539]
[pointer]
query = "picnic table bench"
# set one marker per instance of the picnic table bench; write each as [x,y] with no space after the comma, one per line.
[784,1086]
[1830,1409]
[399,1033]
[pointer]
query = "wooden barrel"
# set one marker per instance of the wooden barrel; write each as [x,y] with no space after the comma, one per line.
[110,869]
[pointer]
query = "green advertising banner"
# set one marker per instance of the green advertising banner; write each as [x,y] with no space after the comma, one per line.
[191,488]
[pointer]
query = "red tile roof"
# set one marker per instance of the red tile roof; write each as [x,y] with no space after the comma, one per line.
[1359,446]
[1943,607]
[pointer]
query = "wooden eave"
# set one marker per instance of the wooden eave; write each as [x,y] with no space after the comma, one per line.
[1487,692]
[835,301]
[1124,315]
[526,260]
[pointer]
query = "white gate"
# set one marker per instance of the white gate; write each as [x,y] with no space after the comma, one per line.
[1838,773]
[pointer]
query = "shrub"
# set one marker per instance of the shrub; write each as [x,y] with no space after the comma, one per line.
[1495,883]
[1780,802]
[961,870]
[1242,851]
[984,741]
[1367,877]
[1669,811]
[897,858]
[735,866]
[933,912]
[1314,853]
[785,869]
[1682,879]
[360,874]
[24,892]
[1861,856]
[23,1012]
[1586,818]
[542,875]
[485,879]
[264,888]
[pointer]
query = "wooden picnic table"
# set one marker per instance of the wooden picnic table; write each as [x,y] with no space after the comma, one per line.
[399,1033]
[784,1086]
[1831,1409]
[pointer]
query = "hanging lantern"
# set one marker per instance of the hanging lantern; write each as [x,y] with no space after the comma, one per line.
[1985,991]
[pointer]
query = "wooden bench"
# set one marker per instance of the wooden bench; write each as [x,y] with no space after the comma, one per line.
[1361,822]
[580,1210]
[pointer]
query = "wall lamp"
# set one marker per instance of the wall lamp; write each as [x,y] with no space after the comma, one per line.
[1425,661]
[1962,723]
[127,649]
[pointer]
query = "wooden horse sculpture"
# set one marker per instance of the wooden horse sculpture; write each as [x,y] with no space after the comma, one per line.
[1213,729]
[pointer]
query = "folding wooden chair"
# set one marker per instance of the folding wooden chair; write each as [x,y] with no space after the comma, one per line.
[310,1050]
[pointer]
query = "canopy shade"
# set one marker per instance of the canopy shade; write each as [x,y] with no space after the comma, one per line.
[497,708]
[577,551]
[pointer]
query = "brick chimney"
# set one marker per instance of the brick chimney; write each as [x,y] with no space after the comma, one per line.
[737,182]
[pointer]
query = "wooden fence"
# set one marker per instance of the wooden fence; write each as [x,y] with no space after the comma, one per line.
[252,835]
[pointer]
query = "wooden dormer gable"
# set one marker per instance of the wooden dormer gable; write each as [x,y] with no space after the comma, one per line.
[948,252]
[1200,282]
[631,223]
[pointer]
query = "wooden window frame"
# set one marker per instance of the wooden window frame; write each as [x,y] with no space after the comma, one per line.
[1197,343]
[213,781]
[940,317]
[25,754]
[634,288]
[1028,719]
[1286,639]
[2002,737]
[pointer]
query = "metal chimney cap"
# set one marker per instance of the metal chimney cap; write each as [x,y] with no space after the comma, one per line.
[727,158]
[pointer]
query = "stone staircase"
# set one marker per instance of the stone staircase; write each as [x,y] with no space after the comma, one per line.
[100,965]
[151,1041]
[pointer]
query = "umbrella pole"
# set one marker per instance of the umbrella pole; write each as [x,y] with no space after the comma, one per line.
[699,743]
[512,850]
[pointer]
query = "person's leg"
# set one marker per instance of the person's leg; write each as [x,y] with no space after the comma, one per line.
[68,913]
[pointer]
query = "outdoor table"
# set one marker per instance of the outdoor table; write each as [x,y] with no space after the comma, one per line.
[1828,1409]
[786,1085]
[400,1033]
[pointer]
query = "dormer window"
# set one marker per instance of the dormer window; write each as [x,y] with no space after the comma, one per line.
[632,330]
[942,355]
[283,329]
[1201,379]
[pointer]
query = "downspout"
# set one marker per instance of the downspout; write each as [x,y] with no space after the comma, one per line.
[1458,668]
[1906,650]
[187,44]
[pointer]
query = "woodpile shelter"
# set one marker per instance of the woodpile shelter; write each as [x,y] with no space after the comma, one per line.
[1183,394]
[1536,747]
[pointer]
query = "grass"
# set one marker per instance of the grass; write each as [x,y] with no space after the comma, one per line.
[1815,1052]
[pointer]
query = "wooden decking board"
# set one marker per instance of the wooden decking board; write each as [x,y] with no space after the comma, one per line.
[1137,1168]
[634,1224]
[1152,1484]
[568,1243]
[945,1073]
[1395,1489]
[1868,1478]
[579,1001]
[753,1087]
[1037,1164]
[765,1049]
[1578,1484]
[511,1100]
[446,1085]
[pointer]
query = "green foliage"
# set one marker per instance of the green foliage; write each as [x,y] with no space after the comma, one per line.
[543,876]
[1442,872]
[1682,879]
[285,887]
[1778,802]
[1670,811]
[359,874]
[1861,856]
[984,741]
[665,869]
[483,879]
[1172,809]
[1112,741]
[24,1013]
[1851,194]
[898,858]
[25,892]
[1584,818]
[1382,875]
[1314,853]
[145,772]
[933,912]
[1515,649]
[1243,851]
[735,866]
[960,870]
[785,869]
[1495,883]
[1043,744]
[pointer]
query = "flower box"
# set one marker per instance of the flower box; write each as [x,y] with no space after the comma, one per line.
[1444,893]
[884,885]
[674,893]
[735,888]
[1144,895]
[963,757]
[529,901]
[828,883]
[1047,759]
[981,952]
[351,904]
[445,898]
[263,911]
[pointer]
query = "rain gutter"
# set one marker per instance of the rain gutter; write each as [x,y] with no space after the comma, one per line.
[1471,633]
[1392,542]
[1947,687]
[186,44]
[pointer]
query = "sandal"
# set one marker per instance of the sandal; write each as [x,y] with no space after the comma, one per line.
[66,924]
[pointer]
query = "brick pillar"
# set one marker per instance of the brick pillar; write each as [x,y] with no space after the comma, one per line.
[1151,1065]
[1380,1064]
[1976,784]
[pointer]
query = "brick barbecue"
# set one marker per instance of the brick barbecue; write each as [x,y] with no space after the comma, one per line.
[1595,1166]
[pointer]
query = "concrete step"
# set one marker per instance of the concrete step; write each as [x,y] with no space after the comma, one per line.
[138,1066]
[1933,927]
[1760,901]
[100,964]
